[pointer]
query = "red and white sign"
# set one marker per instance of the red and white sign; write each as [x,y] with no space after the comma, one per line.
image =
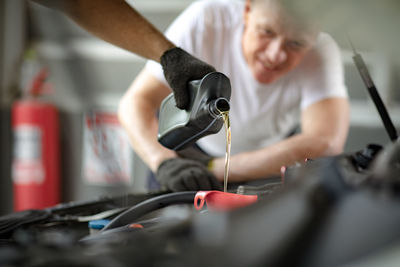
[107,155]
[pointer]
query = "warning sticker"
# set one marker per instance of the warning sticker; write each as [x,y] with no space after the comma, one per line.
[27,166]
[107,155]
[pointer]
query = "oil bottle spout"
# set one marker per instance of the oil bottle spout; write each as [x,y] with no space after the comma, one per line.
[219,105]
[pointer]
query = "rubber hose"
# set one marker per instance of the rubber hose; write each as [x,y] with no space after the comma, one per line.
[150,205]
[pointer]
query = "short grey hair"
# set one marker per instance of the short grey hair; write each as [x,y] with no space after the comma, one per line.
[303,11]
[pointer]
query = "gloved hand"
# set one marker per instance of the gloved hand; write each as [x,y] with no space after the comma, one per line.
[180,68]
[196,154]
[179,174]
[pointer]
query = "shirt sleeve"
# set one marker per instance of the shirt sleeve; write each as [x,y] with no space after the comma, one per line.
[323,75]
[182,32]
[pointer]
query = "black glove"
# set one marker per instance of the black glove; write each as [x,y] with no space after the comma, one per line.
[179,174]
[180,68]
[196,154]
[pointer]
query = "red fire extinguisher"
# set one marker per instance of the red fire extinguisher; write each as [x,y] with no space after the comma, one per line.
[35,166]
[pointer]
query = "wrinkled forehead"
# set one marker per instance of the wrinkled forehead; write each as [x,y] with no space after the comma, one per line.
[284,16]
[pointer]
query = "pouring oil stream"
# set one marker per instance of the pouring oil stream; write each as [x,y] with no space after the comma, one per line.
[227,124]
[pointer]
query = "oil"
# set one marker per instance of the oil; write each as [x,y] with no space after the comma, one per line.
[227,124]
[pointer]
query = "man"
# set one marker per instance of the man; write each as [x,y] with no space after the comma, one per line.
[282,71]
[118,23]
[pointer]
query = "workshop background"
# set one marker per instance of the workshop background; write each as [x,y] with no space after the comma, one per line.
[87,77]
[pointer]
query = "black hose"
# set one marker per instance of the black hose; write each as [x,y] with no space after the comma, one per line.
[150,205]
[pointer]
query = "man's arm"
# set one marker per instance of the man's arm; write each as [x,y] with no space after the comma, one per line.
[324,131]
[137,114]
[116,22]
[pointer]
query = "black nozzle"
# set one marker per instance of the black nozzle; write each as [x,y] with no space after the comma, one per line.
[222,104]
[219,105]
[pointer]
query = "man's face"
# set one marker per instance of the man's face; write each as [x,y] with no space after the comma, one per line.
[272,43]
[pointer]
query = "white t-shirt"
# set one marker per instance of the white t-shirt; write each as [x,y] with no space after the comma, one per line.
[261,114]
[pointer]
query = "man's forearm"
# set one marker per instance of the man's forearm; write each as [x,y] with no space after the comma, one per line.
[268,161]
[143,137]
[137,115]
[116,22]
[324,127]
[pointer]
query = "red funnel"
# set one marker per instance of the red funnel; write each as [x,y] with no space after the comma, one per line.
[222,201]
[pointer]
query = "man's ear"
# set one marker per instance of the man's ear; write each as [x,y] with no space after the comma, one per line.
[247,8]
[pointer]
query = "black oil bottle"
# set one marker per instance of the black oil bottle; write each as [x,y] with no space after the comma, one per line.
[209,97]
